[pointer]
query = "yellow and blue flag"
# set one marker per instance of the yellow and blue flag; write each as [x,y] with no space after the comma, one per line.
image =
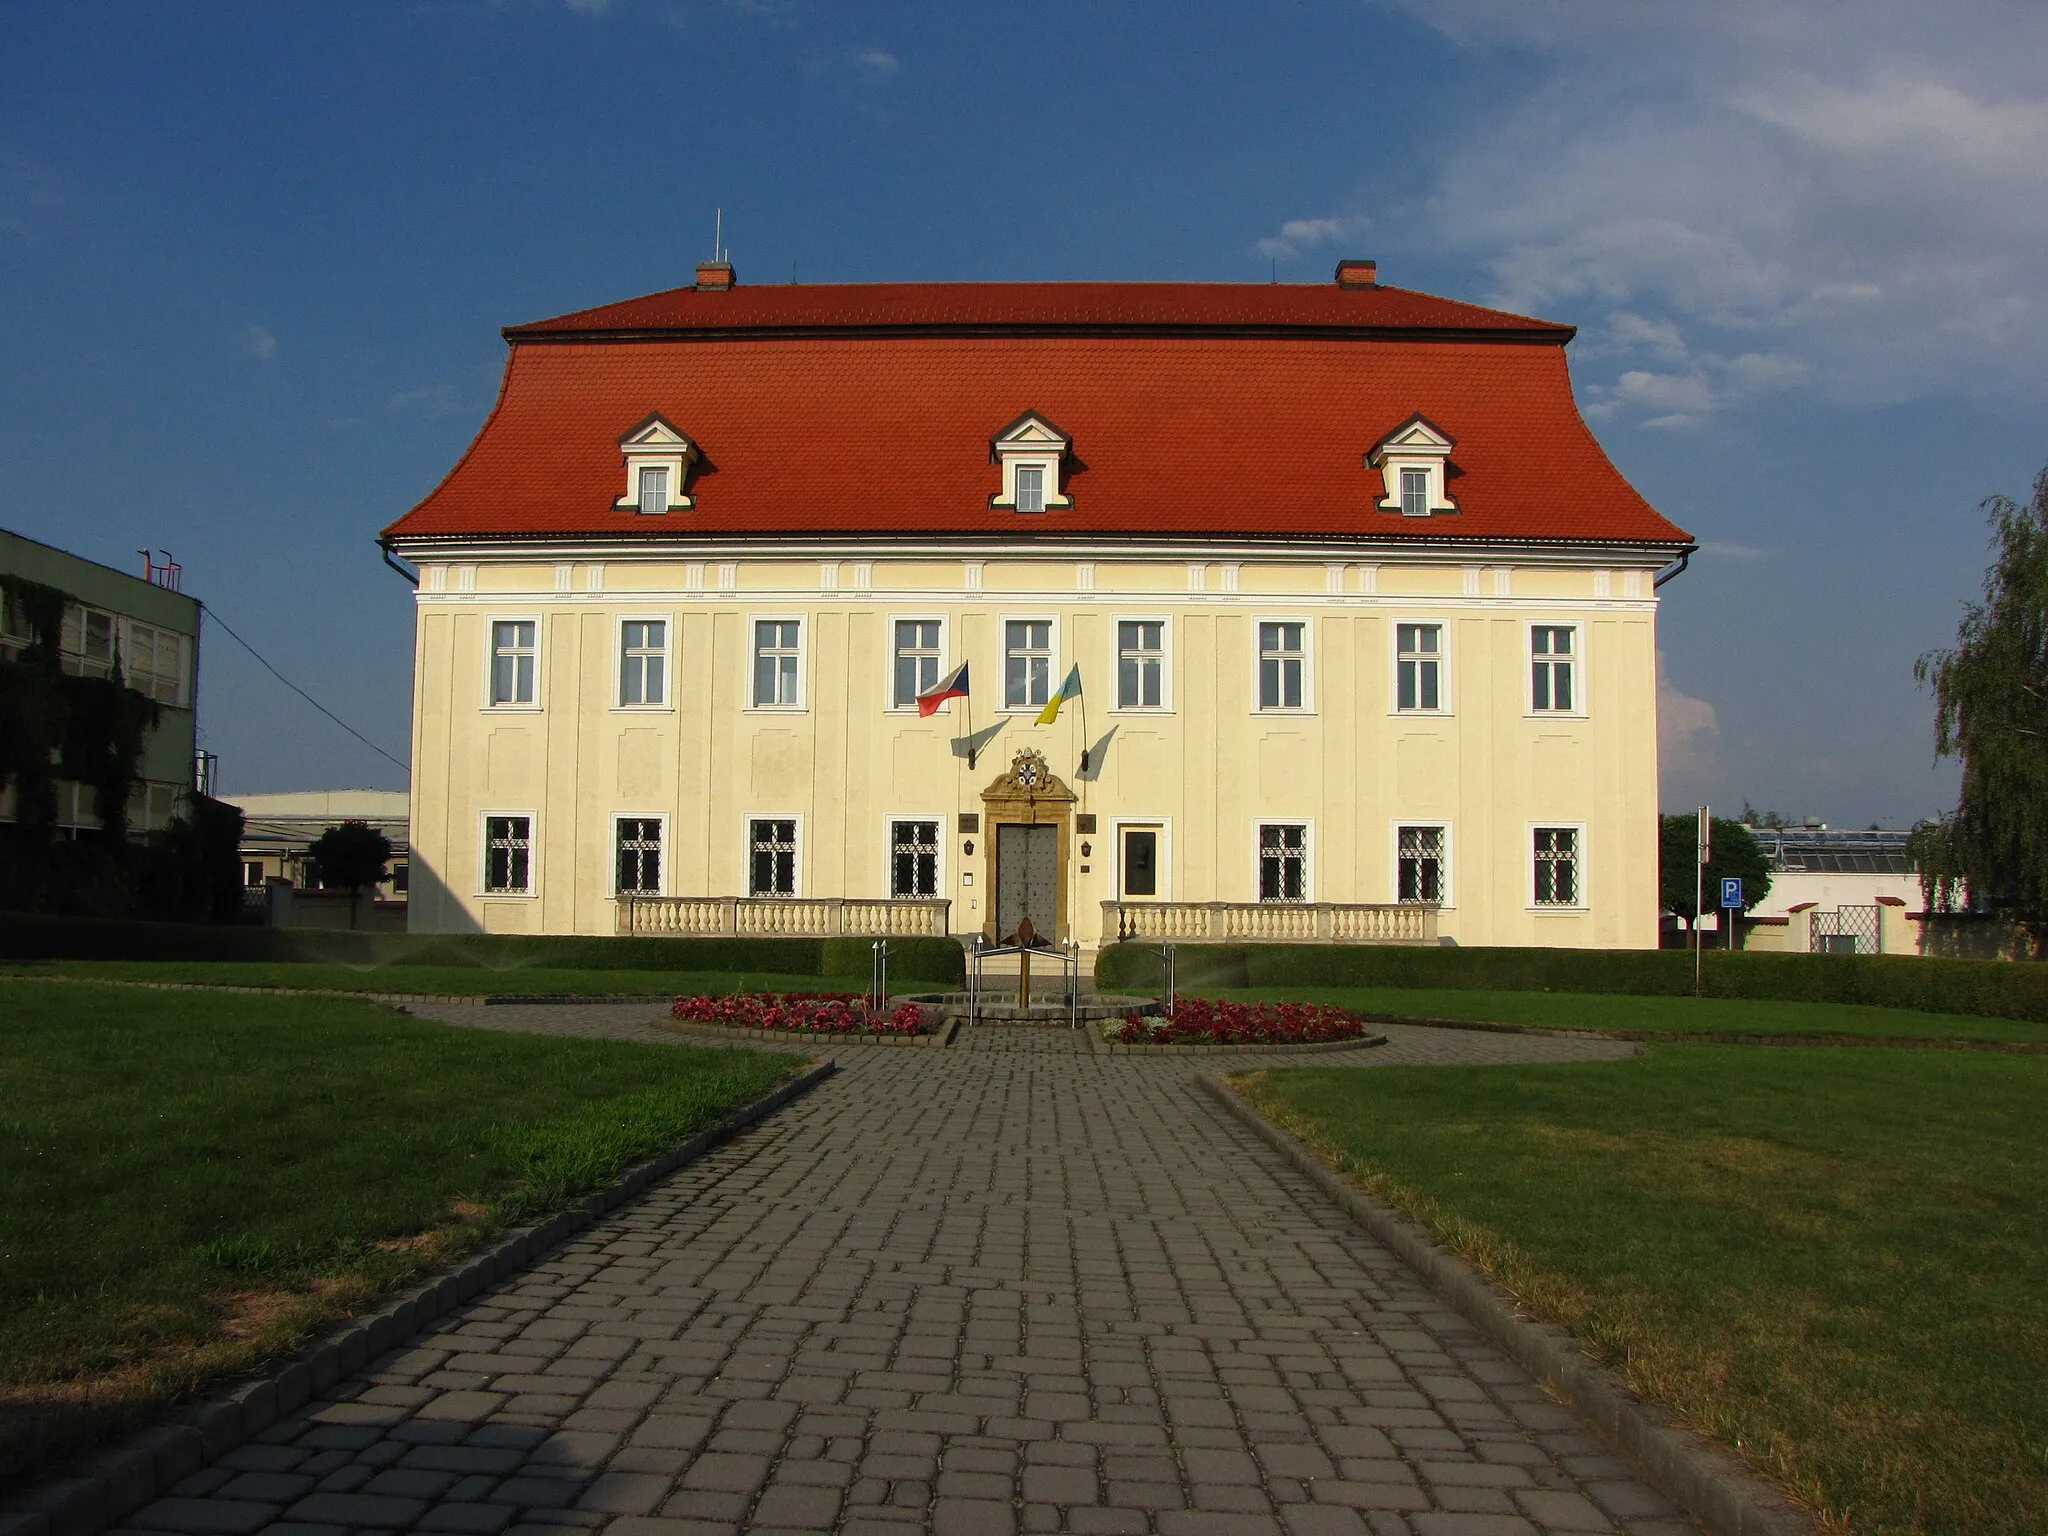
[1070,689]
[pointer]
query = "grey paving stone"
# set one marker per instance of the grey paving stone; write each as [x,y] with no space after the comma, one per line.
[204,1517]
[995,1287]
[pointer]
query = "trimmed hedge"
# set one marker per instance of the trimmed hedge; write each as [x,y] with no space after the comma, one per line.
[33,936]
[1997,989]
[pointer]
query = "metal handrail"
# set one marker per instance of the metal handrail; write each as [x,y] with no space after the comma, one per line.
[1068,955]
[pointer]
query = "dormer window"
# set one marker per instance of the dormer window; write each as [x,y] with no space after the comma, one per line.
[654,490]
[1413,461]
[1032,452]
[1414,491]
[658,460]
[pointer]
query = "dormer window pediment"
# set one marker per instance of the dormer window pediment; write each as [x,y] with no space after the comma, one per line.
[1033,455]
[658,460]
[1413,460]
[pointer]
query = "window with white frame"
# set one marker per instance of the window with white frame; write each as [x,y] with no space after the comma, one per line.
[153,662]
[1030,487]
[86,642]
[771,862]
[1552,668]
[1415,493]
[1027,663]
[1283,861]
[1557,866]
[1283,662]
[643,663]
[508,855]
[1419,858]
[1418,666]
[654,488]
[913,858]
[638,851]
[514,652]
[917,660]
[16,633]
[1140,663]
[778,648]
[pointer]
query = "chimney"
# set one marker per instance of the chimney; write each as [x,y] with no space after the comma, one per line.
[1352,273]
[714,276]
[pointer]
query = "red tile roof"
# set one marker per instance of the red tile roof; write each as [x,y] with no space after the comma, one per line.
[1206,410]
[1084,306]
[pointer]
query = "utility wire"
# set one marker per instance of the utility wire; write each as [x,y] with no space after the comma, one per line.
[295,688]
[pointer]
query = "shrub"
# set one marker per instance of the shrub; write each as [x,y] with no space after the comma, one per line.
[40,937]
[1996,989]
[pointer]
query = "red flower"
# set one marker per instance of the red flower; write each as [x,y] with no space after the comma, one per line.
[834,1013]
[1199,1020]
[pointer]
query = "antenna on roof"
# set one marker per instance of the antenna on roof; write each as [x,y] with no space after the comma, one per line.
[718,236]
[1276,270]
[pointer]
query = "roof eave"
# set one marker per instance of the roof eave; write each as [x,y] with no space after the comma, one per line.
[1539,335]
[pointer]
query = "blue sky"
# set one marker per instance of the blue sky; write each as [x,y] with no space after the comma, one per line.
[254,259]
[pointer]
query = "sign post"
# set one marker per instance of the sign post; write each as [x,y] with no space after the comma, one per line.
[1699,893]
[1731,904]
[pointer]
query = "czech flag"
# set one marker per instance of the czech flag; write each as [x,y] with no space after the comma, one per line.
[1070,689]
[951,686]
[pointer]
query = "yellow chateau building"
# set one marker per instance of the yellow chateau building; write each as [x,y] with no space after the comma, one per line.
[1363,623]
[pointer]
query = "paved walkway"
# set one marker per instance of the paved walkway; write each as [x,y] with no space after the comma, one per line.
[1008,1286]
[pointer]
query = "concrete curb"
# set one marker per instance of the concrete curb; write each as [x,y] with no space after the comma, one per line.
[114,1483]
[1702,1479]
[938,1039]
[1116,1048]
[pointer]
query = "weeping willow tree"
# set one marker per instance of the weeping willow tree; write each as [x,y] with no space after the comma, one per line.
[1991,712]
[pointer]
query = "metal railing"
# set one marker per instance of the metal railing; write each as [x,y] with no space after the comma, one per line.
[1271,922]
[1066,956]
[783,917]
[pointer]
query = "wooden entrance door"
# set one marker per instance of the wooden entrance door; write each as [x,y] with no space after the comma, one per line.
[1027,878]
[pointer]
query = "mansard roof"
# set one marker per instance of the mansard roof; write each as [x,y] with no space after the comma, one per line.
[1196,410]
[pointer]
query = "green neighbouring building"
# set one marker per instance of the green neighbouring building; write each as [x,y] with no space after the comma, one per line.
[111,619]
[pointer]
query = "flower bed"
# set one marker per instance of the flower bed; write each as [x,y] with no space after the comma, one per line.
[1199,1021]
[811,1013]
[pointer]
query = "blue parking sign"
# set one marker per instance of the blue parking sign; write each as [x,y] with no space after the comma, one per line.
[1731,892]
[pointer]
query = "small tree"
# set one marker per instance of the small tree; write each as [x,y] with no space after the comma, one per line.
[1732,852]
[1991,710]
[354,854]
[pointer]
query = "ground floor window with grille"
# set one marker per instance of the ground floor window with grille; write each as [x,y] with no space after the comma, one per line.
[913,858]
[1557,866]
[639,855]
[1419,864]
[508,855]
[1283,861]
[772,868]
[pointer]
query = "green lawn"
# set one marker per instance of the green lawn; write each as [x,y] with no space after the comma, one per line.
[1675,1015]
[1833,1259]
[444,980]
[196,1180]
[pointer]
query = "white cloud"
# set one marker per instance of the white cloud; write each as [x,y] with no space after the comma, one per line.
[589,7]
[1731,551]
[1297,235]
[259,343]
[1685,726]
[1763,195]
[878,63]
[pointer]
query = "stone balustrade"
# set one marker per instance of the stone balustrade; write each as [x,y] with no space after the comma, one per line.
[782,917]
[1269,922]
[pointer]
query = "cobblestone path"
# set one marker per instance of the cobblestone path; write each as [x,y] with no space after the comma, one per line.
[1011,1286]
